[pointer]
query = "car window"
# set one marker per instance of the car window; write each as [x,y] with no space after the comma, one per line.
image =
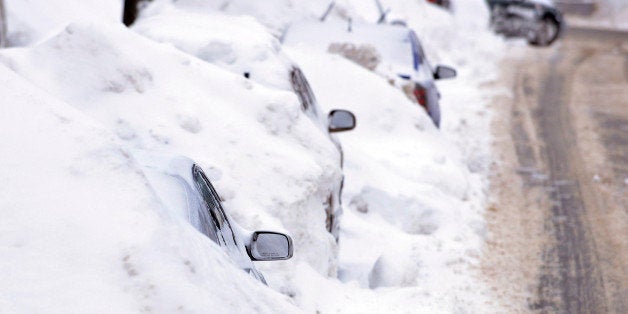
[303,90]
[199,217]
[417,50]
[420,54]
[213,208]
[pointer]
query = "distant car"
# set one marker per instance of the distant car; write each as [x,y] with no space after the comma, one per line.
[187,193]
[538,21]
[398,45]
[259,58]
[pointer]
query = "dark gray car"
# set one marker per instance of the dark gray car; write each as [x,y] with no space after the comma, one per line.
[538,21]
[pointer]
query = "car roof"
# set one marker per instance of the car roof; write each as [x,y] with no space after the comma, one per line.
[392,42]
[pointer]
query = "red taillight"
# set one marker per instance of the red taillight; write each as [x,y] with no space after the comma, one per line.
[421,96]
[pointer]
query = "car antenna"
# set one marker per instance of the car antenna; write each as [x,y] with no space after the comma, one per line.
[382,12]
[329,8]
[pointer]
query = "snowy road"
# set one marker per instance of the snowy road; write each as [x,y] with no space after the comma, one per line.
[565,142]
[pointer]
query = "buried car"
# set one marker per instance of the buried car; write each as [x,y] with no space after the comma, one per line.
[397,49]
[249,50]
[188,194]
[338,120]
[538,21]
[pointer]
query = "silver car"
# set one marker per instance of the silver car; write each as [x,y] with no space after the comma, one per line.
[538,21]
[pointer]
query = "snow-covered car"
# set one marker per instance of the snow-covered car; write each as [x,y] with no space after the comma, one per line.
[188,194]
[538,21]
[398,50]
[248,49]
[338,120]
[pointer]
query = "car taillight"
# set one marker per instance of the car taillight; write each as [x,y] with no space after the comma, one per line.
[421,96]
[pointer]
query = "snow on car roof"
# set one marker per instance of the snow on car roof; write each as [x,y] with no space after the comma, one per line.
[238,44]
[391,42]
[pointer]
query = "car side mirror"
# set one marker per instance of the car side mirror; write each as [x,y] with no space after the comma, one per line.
[444,72]
[269,246]
[340,120]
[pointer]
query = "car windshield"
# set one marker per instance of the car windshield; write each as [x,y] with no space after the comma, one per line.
[199,216]
[213,209]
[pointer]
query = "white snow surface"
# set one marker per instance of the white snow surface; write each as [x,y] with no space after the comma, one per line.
[274,14]
[29,21]
[81,231]
[239,44]
[270,163]
[413,228]
[412,233]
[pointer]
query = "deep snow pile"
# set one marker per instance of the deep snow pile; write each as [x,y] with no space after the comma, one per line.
[81,231]
[246,46]
[29,21]
[415,196]
[449,251]
[412,232]
[413,223]
[269,162]
[414,229]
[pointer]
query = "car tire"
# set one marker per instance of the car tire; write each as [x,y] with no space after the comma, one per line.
[547,32]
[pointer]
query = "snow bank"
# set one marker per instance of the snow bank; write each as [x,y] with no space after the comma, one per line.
[82,231]
[32,20]
[414,217]
[269,162]
[247,47]
[414,229]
